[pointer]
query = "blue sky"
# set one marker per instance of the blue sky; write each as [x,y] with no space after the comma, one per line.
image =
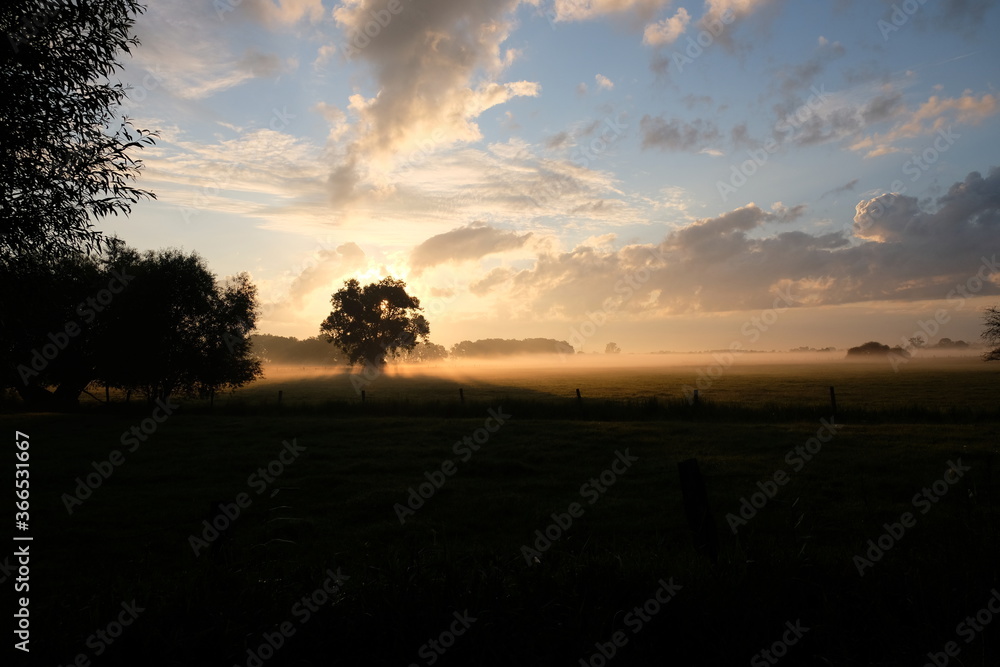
[660,170]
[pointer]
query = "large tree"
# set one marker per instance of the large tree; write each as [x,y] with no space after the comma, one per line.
[176,329]
[991,318]
[374,322]
[155,323]
[65,152]
[49,330]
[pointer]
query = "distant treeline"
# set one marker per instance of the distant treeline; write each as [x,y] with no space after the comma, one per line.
[316,351]
[313,351]
[875,348]
[502,347]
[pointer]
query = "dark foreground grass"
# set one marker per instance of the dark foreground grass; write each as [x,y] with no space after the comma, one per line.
[462,550]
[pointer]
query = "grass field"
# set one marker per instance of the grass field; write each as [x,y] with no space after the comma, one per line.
[938,383]
[336,508]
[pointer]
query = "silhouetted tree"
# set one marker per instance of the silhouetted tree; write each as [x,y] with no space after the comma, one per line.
[373,322]
[194,331]
[65,153]
[991,318]
[874,348]
[949,344]
[501,347]
[422,353]
[156,323]
[290,350]
[49,328]
[612,348]
[227,356]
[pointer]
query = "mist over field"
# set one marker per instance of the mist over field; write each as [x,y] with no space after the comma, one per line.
[935,382]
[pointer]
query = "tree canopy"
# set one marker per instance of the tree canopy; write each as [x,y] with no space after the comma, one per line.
[874,348]
[374,322]
[156,323]
[312,351]
[65,152]
[500,347]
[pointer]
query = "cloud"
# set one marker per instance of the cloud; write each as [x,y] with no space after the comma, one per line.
[898,250]
[846,187]
[281,12]
[935,115]
[324,268]
[968,208]
[495,277]
[883,107]
[558,140]
[470,242]
[795,79]
[677,135]
[966,15]
[733,11]
[435,68]
[662,33]
[604,82]
[584,10]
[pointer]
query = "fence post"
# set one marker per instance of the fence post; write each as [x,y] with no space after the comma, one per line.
[699,517]
[579,398]
[461,396]
[362,395]
[695,397]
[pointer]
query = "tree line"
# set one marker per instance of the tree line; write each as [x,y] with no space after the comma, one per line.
[154,323]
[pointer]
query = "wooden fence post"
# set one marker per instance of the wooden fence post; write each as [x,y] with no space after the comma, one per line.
[696,509]
[461,396]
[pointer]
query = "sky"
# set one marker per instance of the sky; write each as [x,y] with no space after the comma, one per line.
[665,175]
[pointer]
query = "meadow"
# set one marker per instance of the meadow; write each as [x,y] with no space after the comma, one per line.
[402,530]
